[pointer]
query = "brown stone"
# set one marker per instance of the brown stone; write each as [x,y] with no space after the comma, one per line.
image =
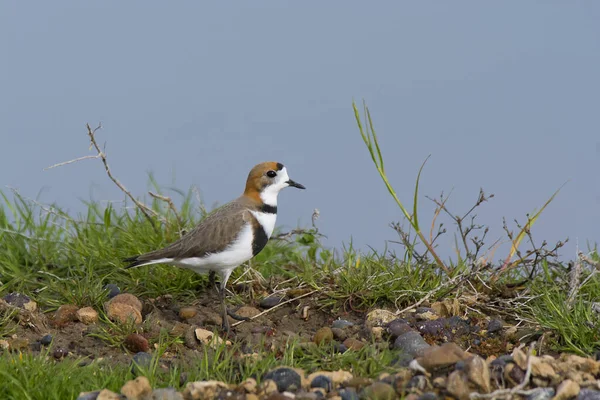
[478,372]
[137,389]
[458,386]
[568,389]
[203,390]
[247,312]
[127,298]
[323,336]
[123,313]
[380,317]
[135,342]
[108,395]
[87,315]
[65,314]
[353,344]
[188,312]
[441,356]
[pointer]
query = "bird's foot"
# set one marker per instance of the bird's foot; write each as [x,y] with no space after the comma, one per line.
[233,315]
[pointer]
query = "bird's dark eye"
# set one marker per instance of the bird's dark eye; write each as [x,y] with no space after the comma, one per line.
[271,174]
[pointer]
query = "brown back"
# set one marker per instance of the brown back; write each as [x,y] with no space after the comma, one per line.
[212,235]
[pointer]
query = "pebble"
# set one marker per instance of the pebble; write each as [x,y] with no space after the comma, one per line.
[189,338]
[441,356]
[411,343]
[123,313]
[270,302]
[65,314]
[348,394]
[353,344]
[166,394]
[542,394]
[208,338]
[495,325]
[137,389]
[136,343]
[341,324]
[379,391]
[59,353]
[567,390]
[323,336]
[127,298]
[380,317]
[398,327]
[322,381]
[588,394]
[88,395]
[203,389]
[478,372]
[428,396]
[106,394]
[20,300]
[46,340]
[140,361]
[112,289]
[188,312]
[247,312]
[338,377]
[457,385]
[285,379]
[340,348]
[418,382]
[339,334]
[87,315]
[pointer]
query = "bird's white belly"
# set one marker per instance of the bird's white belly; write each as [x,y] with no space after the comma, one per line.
[235,254]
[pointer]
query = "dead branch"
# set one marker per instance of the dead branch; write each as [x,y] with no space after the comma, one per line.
[171,205]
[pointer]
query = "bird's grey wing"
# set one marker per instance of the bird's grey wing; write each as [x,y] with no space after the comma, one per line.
[213,234]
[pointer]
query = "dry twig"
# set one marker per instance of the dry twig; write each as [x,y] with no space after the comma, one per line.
[277,306]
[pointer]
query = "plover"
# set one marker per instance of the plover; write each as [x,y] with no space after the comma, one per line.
[230,235]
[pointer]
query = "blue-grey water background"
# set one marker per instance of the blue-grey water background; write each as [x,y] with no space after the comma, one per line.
[503,96]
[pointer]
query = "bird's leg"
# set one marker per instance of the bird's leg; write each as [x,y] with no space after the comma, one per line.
[211,280]
[225,323]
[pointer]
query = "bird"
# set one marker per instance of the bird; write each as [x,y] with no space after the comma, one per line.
[230,235]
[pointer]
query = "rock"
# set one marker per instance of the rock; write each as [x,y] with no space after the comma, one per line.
[338,377]
[441,356]
[541,394]
[112,290]
[123,313]
[268,387]
[479,373]
[270,302]
[136,343]
[540,367]
[20,300]
[514,374]
[285,379]
[339,334]
[377,332]
[188,312]
[588,394]
[411,343]
[446,327]
[426,314]
[87,315]
[203,390]
[341,324]
[247,312]
[379,317]
[189,338]
[108,395]
[353,344]
[129,299]
[340,348]
[140,361]
[46,340]
[457,385]
[65,314]
[166,394]
[179,329]
[495,325]
[88,395]
[418,382]
[209,338]
[348,394]
[137,389]
[322,381]
[323,336]
[566,390]
[398,327]
[379,391]
[249,385]
[60,353]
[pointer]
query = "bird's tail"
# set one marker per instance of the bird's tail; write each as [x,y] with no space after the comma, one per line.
[133,262]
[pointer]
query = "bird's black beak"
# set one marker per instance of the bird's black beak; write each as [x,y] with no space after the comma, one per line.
[295,184]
